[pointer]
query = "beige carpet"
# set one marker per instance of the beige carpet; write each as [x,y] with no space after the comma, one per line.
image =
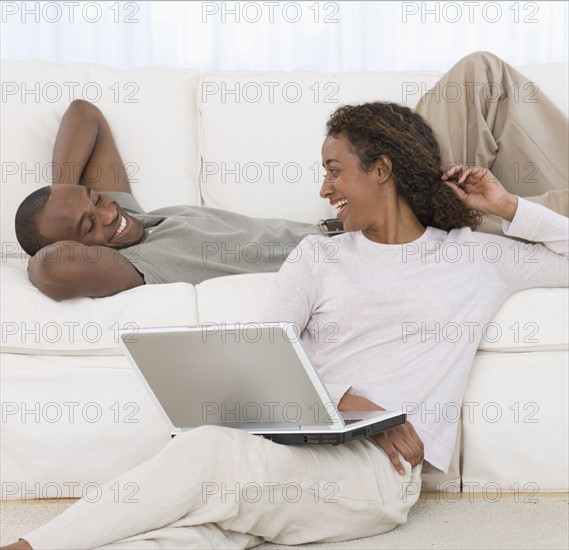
[433,524]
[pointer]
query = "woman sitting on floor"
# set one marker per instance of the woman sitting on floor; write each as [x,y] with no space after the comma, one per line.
[391,316]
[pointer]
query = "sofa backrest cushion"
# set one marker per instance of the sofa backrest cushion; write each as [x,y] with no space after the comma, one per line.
[262,135]
[552,79]
[152,113]
[34,324]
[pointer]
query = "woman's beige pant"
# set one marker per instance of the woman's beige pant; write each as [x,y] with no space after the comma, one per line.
[215,487]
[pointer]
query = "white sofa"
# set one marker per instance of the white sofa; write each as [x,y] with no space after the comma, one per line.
[73,413]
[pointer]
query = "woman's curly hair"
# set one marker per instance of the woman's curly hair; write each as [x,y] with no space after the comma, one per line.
[383,128]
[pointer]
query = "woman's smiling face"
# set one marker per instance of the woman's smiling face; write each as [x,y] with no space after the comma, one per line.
[358,195]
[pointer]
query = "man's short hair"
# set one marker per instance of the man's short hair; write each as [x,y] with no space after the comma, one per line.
[27,217]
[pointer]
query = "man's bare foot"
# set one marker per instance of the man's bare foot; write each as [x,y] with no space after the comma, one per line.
[20,545]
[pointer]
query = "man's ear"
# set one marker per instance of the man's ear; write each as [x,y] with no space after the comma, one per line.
[383,168]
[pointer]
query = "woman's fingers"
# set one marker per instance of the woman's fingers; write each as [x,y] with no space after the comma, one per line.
[452,171]
[409,454]
[460,172]
[393,455]
[410,446]
[459,193]
[415,444]
[387,443]
[401,439]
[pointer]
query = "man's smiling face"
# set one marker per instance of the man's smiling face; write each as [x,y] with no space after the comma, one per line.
[77,213]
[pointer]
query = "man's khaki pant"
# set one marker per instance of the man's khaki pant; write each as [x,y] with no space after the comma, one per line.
[484,112]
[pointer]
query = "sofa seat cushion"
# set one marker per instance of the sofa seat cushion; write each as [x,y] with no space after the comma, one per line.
[531,320]
[515,423]
[234,299]
[70,424]
[34,324]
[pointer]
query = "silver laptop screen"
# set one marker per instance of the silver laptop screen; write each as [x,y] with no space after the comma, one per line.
[201,375]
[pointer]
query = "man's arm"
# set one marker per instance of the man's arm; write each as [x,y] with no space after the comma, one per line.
[68,269]
[85,152]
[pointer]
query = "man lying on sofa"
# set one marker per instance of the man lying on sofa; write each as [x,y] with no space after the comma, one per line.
[89,237]
[75,228]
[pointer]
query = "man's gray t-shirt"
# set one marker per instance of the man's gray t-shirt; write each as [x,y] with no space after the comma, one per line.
[191,243]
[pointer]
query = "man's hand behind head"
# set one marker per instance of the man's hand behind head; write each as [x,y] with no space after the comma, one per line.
[68,269]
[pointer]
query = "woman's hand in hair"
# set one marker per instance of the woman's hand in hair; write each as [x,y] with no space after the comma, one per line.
[478,189]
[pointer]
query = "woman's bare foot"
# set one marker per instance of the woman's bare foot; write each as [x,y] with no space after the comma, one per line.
[20,545]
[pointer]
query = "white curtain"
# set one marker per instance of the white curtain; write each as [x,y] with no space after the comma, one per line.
[267,35]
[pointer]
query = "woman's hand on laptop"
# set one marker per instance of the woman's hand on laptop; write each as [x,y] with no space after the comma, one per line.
[402,438]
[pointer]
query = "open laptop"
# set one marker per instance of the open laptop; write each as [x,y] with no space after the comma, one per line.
[255,377]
